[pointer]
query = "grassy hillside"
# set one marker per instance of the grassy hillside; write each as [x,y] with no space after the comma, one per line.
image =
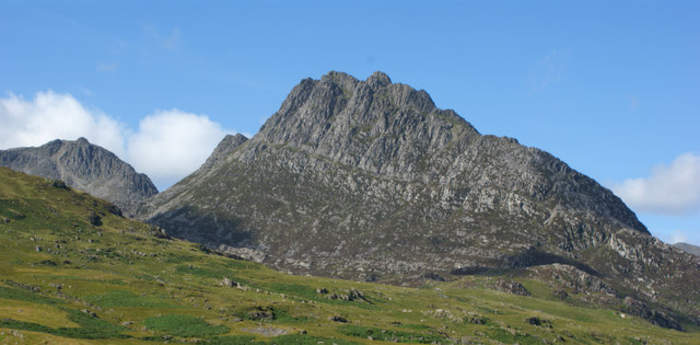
[72,272]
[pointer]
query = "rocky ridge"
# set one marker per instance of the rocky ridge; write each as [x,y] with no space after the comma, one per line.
[86,167]
[687,247]
[370,180]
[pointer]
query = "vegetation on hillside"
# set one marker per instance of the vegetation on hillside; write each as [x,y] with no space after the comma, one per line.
[66,278]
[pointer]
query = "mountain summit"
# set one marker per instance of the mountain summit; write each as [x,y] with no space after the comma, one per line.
[84,166]
[370,180]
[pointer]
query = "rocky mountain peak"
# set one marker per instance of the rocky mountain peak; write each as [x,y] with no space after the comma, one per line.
[378,79]
[225,147]
[383,127]
[85,166]
[371,180]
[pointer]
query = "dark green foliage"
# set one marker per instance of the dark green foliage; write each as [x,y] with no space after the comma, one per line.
[90,327]
[391,335]
[26,295]
[507,337]
[184,326]
[234,340]
[201,272]
[304,339]
[27,326]
[414,326]
[291,339]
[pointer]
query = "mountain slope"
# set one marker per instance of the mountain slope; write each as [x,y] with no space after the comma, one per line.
[370,180]
[84,166]
[66,280]
[695,250]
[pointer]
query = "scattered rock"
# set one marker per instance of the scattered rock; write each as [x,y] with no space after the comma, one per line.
[47,263]
[536,321]
[89,313]
[95,219]
[228,283]
[322,291]
[159,232]
[38,249]
[267,331]
[261,313]
[350,296]
[59,184]
[561,294]
[475,319]
[338,319]
[511,287]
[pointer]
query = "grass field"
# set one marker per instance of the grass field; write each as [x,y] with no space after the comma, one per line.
[64,280]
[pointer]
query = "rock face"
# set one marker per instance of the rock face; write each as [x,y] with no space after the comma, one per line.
[370,180]
[84,166]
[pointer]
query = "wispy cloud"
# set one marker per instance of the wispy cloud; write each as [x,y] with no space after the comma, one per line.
[107,67]
[670,189]
[678,236]
[171,40]
[548,70]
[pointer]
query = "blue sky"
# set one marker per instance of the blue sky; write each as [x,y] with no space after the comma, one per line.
[612,89]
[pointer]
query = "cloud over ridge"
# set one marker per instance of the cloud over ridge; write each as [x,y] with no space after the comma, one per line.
[672,189]
[167,145]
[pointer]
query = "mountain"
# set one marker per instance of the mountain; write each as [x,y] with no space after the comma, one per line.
[369,180]
[84,166]
[695,250]
[67,279]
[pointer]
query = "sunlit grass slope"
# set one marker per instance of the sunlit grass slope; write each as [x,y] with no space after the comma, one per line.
[72,272]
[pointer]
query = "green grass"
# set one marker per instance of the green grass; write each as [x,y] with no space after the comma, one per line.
[294,339]
[147,290]
[123,298]
[184,326]
[391,335]
[25,295]
[90,328]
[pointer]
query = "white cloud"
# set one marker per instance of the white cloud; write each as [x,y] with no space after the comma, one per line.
[52,115]
[171,144]
[167,145]
[671,190]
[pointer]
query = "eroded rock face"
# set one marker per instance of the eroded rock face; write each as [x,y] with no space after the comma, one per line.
[359,179]
[86,167]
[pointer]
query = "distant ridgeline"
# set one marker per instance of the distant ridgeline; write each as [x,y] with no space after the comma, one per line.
[84,166]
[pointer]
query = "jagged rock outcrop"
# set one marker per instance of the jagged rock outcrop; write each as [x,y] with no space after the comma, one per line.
[86,167]
[370,180]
